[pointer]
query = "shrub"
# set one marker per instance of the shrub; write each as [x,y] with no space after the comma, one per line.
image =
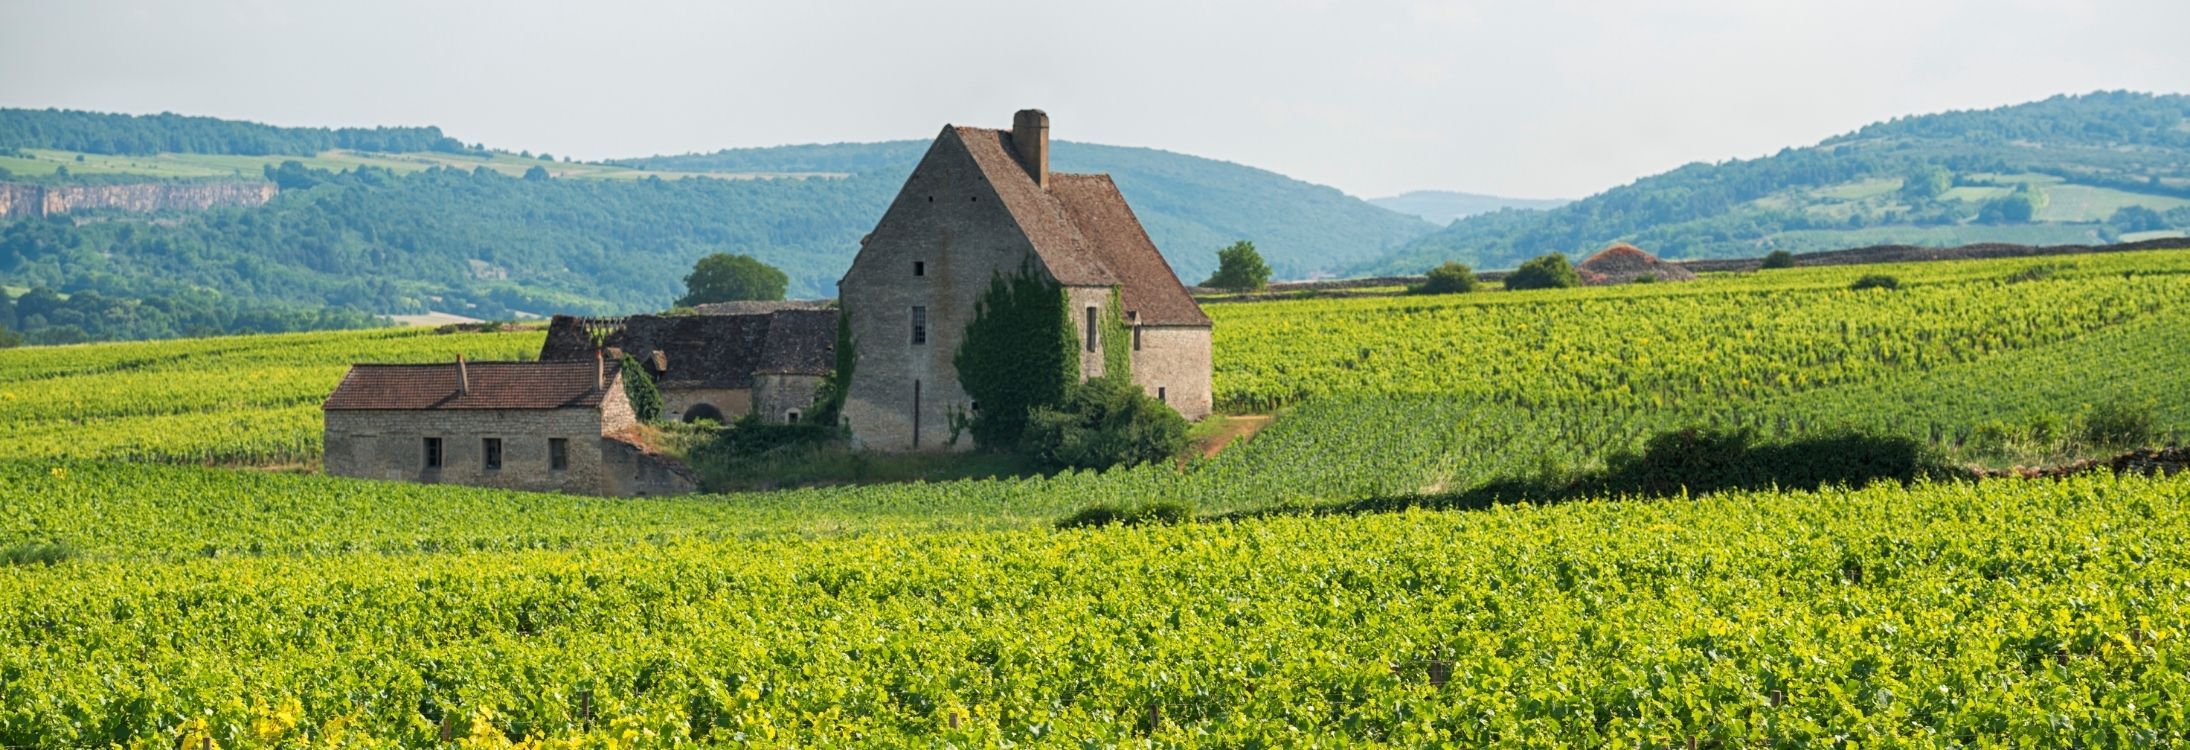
[1548,271]
[2118,424]
[1452,277]
[2038,272]
[1160,512]
[1710,460]
[1102,423]
[38,553]
[1779,259]
[1875,281]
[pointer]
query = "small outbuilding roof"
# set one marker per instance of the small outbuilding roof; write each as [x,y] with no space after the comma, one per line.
[704,351]
[472,385]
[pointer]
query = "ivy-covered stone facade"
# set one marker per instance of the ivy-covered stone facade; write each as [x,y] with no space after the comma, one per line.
[981,225]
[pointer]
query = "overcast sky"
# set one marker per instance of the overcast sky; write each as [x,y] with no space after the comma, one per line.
[1522,98]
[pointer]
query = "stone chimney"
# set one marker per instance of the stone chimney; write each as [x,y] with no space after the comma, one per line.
[463,376]
[1030,136]
[600,370]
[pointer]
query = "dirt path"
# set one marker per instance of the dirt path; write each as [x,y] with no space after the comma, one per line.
[1239,427]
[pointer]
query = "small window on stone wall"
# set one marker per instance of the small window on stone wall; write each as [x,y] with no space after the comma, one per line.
[490,453]
[919,325]
[1161,396]
[790,416]
[558,454]
[1091,329]
[920,268]
[433,453]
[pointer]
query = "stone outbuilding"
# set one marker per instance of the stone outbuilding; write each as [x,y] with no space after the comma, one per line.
[542,426]
[763,358]
[983,204]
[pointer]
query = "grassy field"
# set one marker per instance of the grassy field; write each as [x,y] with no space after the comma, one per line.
[1296,607]
[42,162]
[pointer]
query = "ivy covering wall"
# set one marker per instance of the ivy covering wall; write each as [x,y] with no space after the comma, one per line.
[829,402]
[1019,353]
[1116,339]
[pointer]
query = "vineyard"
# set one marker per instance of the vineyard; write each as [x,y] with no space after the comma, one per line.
[180,599]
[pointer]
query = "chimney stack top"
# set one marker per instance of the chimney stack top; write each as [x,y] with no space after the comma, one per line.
[1030,137]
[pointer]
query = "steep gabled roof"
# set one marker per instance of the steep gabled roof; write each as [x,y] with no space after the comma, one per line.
[1084,231]
[1148,290]
[493,385]
[1067,253]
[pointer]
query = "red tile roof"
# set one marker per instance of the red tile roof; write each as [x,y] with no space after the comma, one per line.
[1084,232]
[1060,244]
[1148,290]
[494,385]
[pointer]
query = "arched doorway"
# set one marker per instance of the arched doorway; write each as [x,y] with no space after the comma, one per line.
[698,412]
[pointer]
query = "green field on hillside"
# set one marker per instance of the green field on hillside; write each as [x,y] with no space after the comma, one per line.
[43,163]
[1298,605]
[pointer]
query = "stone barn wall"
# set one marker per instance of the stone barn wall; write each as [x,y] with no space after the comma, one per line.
[950,220]
[776,394]
[1174,361]
[390,444]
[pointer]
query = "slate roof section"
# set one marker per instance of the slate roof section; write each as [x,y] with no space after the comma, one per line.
[758,307]
[1148,290]
[799,342]
[705,351]
[1084,232]
[494,385]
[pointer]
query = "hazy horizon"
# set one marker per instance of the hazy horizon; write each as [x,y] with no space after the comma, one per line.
[1376,99]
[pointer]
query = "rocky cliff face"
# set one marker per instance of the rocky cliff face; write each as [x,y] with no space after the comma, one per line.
[18,200]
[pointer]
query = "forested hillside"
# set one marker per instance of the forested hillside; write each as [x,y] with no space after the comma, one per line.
[2071,169]
[357,231]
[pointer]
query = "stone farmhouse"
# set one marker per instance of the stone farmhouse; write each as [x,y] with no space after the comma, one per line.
[543,426]
[765,359]
[983,203]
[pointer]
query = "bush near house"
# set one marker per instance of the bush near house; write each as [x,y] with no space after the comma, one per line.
[1547,271]
[1452,277]
[1102,423]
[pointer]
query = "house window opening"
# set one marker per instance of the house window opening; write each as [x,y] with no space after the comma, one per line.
[790,416]
[558,454]
[1161,395]
[433,453]
[919,325]
[490,451]
[920,268]
[1091,329]
[1136,338]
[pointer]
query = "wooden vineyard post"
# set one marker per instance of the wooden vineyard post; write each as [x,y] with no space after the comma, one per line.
[448,729]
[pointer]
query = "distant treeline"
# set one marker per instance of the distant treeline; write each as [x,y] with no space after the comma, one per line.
[102,133]
[43,316]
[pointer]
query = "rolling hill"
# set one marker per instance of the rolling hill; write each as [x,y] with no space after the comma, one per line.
[2099,167]
[443,226]
[1443,207]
